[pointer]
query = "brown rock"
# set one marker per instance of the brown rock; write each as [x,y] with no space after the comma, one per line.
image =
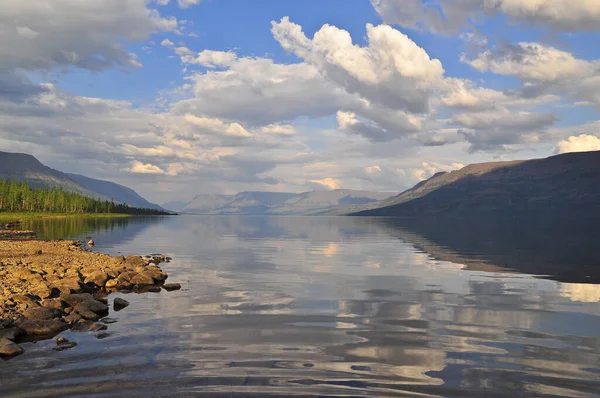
[169,287]
[41,290]
[134,261]
[42,314]
[142,280]
[111,284]
[97,278]
[9,348]
[74,299]
[53,303]
[92,309]
[88,326]
[44,328]
[72,318]
[11,333]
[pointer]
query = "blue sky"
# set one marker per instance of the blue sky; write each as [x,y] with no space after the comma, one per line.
[181,97]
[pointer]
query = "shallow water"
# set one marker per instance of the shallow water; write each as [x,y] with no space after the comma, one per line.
[330,307]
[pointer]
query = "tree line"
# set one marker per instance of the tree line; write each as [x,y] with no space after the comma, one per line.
[19,197]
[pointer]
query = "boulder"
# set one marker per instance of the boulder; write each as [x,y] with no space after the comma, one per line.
[43,328]
[134,261]
[40,289]
[88,326]
[42,314]
[91,309]
[111,284]
[142,280]
[119,304]
[97,278]
[74,299]
[11,333]
[169,287]
[9,348]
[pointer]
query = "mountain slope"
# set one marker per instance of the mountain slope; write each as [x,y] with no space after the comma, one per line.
[24,167]
[563,183]
[279,203]
[174,205]
[114,191]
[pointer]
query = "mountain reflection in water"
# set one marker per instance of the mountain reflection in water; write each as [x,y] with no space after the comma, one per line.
[339,307]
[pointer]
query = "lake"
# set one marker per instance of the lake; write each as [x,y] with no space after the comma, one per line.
[334,306]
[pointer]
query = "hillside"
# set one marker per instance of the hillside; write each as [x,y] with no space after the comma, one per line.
[114,191]
[22,167]
[279,203]
[26,168]
[563,183]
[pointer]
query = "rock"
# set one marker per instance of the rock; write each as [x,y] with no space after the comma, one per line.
[102,335]
[67,285]
[53,303]
[64,344]
[88,326]
[41,290]
[152,289]
[9,348]
[42,314]
[12,333]
[72,318]
[169,287]
[142,280]
[25,300]
[111,284]
[42,328]
[119,304]
[134,261]
[156,274]
[91,309]
[108,321]
[97,278]
[91,242]
[74,299]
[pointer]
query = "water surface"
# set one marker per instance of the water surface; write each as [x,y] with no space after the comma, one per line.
[331,307]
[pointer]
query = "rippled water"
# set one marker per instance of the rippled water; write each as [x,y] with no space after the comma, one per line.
[330,307]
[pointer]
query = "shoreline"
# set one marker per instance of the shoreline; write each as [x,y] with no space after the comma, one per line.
[48,286]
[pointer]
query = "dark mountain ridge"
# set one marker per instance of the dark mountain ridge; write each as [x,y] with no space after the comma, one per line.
[563,183]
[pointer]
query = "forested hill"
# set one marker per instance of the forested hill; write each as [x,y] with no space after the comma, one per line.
[18,197]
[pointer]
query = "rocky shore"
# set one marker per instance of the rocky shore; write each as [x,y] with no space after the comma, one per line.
[47,287]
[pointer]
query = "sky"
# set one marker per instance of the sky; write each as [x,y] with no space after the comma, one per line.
[176,98]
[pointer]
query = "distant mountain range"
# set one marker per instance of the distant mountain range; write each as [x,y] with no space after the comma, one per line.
[278,203]
[562,184]
[24,167]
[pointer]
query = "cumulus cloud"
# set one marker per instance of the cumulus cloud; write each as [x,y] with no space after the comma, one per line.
[391,70]
[144,168]
[449,16]
[42,35]
[543,70]
[580,143]
[187,3]
[211,59]
[167,43]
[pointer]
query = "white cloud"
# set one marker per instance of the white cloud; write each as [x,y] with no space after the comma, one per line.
[449,16]
[187,3]
[217,126]
[167,43]
[212,59]
[543,70]
[144,168]
[286,130]
[581,143]
[162,2]
[392,70]
[40,35]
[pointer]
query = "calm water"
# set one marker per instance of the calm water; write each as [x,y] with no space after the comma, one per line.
[333,307]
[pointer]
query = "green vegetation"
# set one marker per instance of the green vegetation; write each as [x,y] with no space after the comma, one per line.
[17,197]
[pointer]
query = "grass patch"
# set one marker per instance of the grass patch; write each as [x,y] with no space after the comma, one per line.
[10,217]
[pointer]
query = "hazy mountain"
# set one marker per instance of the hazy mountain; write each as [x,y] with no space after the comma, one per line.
[174,205]
[114,191]
[24,167]
[278,203]
[565,183]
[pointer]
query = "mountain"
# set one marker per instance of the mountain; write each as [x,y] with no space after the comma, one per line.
[24,167]
[114,191]
[174,205]
[279,203]
[566,184]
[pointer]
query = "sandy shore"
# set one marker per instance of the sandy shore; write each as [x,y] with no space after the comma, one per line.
[47,287]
